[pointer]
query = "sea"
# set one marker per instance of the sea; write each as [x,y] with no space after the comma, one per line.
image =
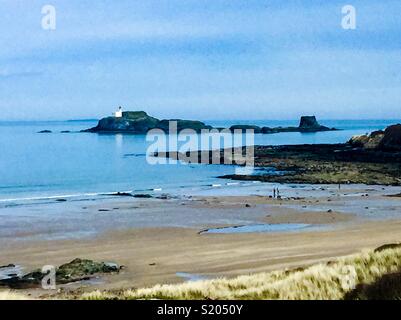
[67,163]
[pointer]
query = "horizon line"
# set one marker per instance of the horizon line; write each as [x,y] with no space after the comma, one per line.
[225,119]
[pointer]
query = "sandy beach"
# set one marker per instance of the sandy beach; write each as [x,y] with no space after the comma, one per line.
[164,242]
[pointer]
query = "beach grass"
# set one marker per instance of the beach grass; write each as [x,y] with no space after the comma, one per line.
[371,274]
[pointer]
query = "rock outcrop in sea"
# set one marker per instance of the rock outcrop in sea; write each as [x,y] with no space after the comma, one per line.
[309,123]
[139,122]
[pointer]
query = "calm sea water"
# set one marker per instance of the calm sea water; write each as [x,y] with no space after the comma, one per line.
[34,165]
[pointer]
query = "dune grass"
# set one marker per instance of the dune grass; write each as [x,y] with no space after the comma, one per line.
[345,278]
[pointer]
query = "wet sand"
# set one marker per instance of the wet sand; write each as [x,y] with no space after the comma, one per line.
[155,254]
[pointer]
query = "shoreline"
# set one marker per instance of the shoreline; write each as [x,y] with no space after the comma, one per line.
[209,207]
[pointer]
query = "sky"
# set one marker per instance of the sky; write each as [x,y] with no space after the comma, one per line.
[200,59]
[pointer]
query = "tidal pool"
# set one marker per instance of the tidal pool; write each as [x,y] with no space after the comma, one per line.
[191,276]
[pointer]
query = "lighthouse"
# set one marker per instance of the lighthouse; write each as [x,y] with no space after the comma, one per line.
[119,113]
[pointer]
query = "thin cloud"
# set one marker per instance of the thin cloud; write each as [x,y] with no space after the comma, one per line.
[20,74]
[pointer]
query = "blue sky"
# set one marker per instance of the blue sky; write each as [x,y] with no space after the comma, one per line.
[201,59]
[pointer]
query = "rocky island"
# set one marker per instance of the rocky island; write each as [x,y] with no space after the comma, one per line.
[139,122]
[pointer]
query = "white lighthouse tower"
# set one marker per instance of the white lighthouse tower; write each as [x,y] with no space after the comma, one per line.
[119,113]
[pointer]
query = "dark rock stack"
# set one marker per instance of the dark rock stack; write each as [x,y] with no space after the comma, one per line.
[310,124]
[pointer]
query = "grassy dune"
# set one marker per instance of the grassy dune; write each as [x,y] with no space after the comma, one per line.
[370,274]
